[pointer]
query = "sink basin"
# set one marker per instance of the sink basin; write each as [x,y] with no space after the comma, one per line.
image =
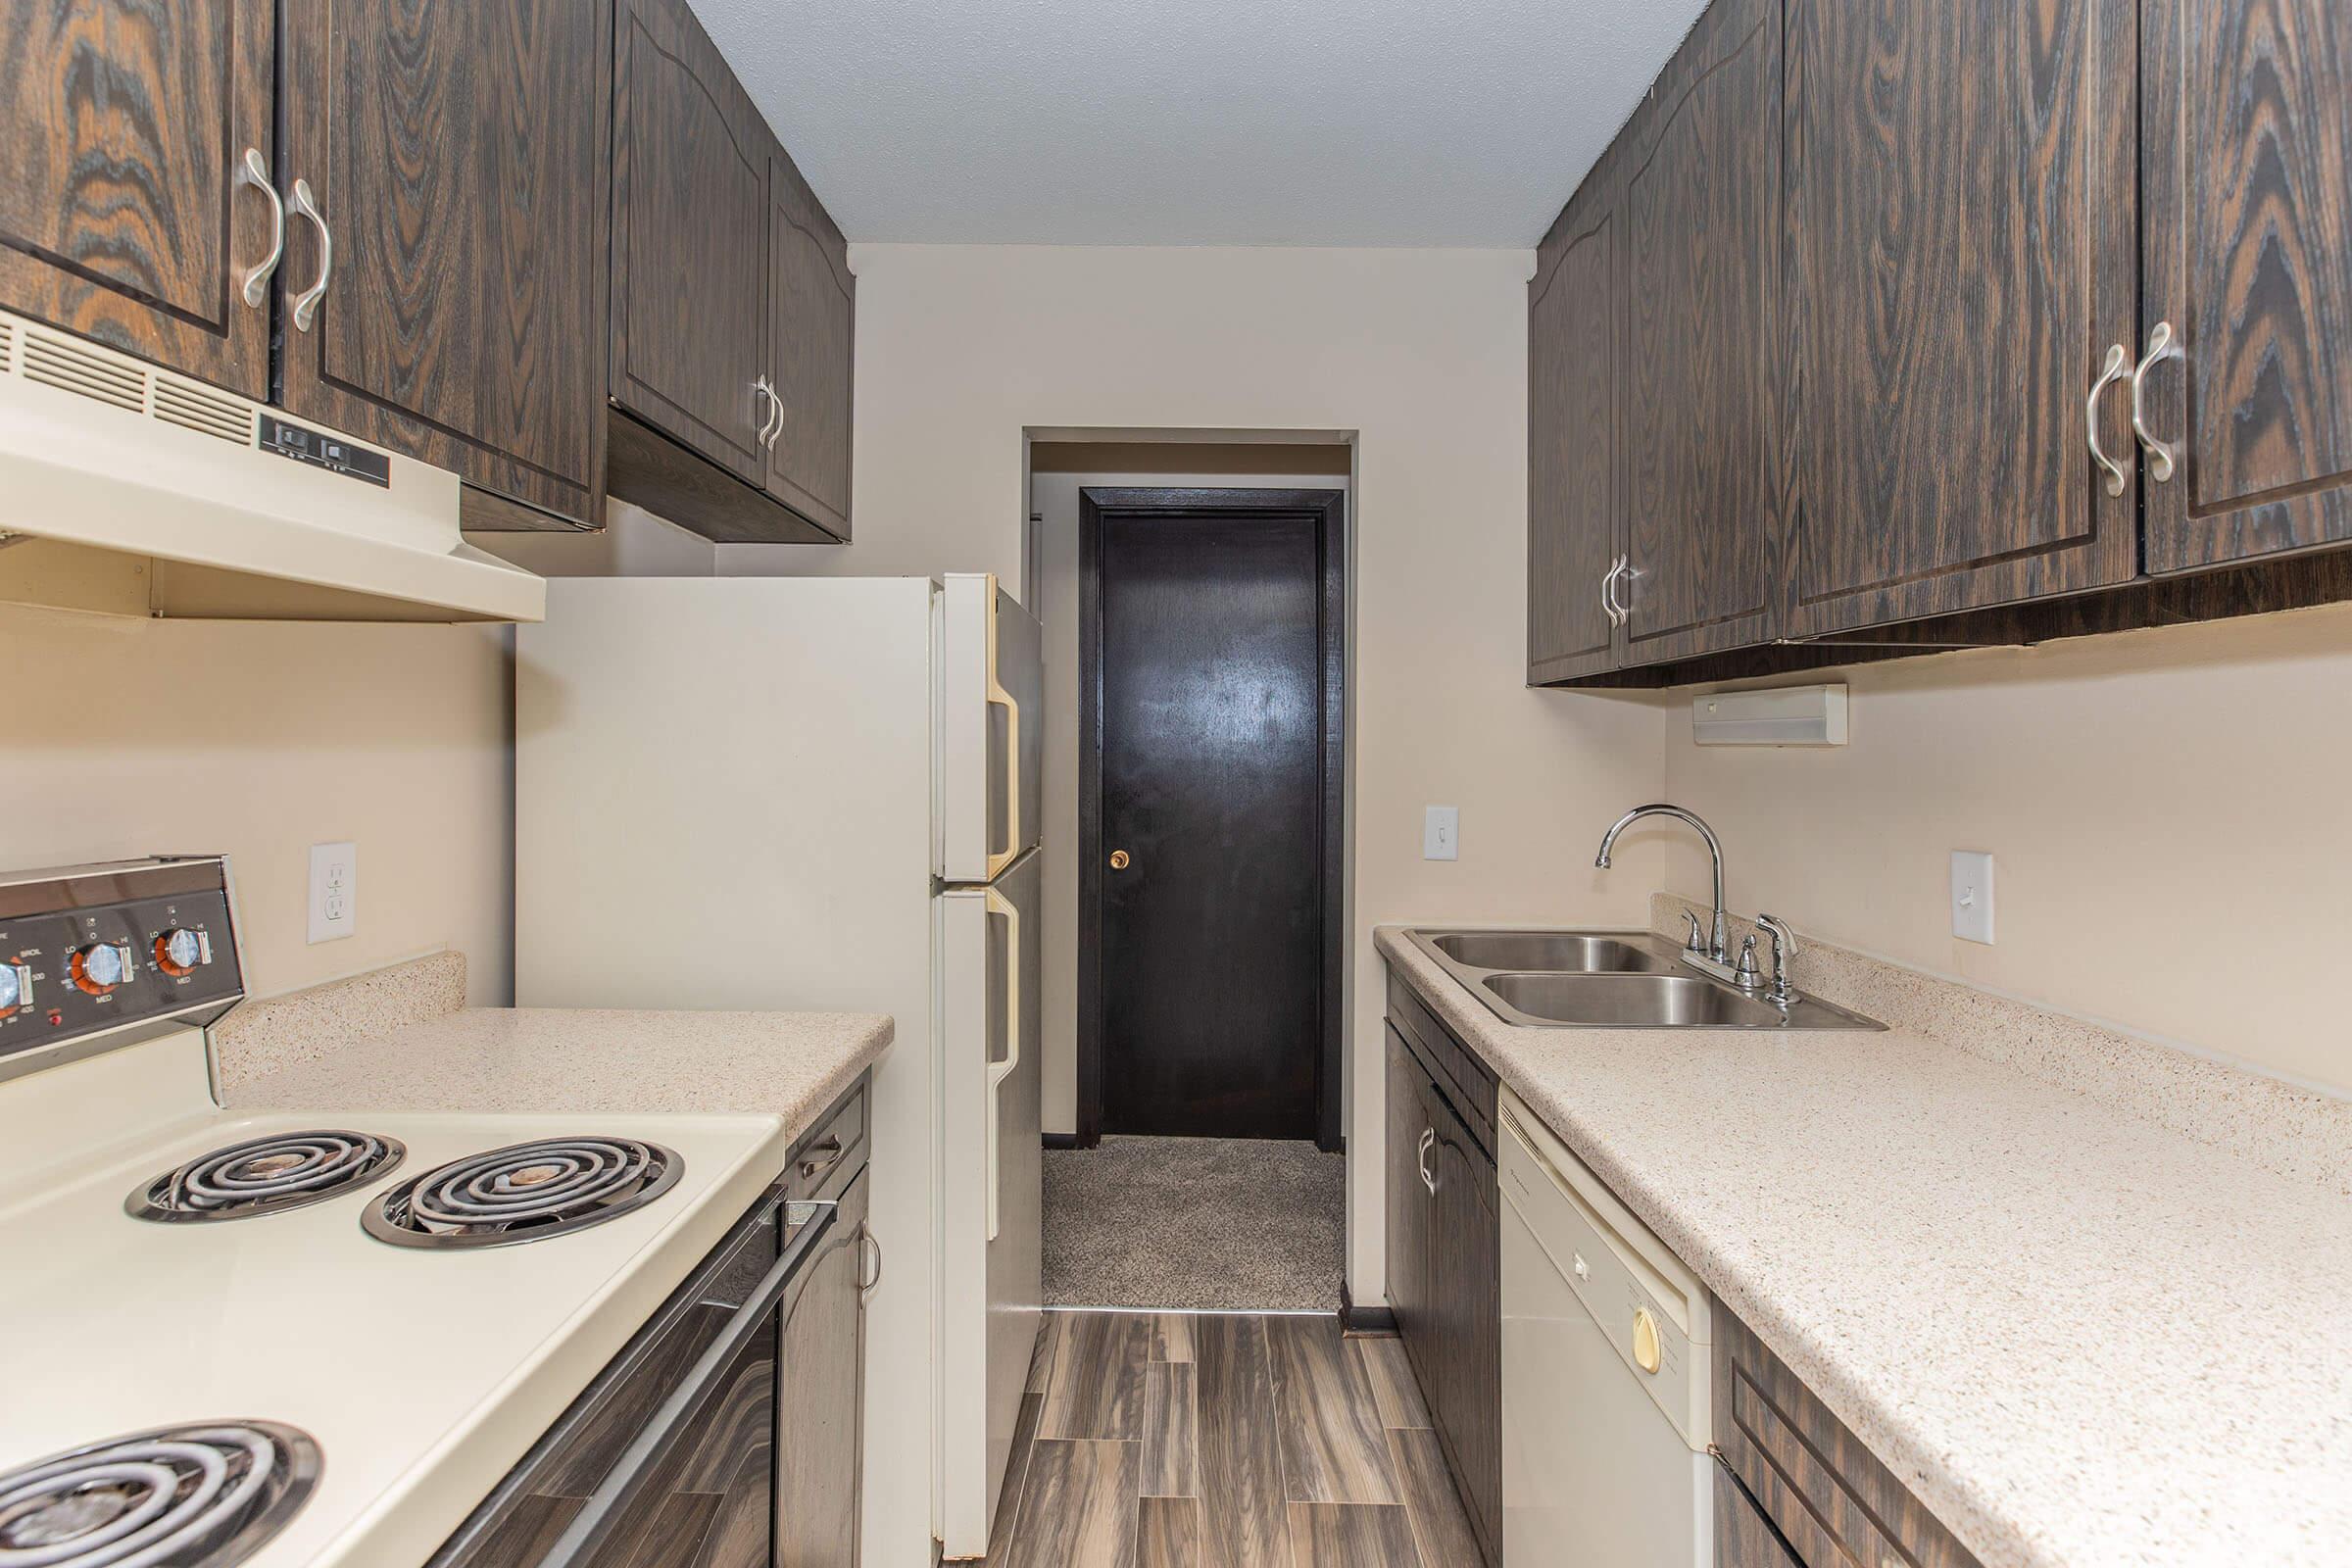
[1650,1001]
[1559,952]
[1610,980]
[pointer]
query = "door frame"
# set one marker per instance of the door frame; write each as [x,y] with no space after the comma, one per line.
[1327,510]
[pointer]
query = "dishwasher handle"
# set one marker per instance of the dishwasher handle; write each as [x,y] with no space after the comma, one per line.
[807,1223]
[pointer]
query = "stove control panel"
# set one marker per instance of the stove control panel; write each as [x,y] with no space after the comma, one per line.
[90,949]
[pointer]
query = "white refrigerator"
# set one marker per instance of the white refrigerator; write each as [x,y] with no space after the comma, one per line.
[823,794]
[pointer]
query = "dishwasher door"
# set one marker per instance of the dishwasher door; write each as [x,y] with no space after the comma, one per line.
[1594,1470]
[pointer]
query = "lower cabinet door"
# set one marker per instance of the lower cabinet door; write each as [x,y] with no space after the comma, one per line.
[1408,1200]
[1743,1538]
[1465,1262]
[819,1400]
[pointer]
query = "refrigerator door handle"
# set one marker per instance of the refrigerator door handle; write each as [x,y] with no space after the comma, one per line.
[999,696]
[999,1071]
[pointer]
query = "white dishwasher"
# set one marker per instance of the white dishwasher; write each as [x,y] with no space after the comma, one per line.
[1605,1373]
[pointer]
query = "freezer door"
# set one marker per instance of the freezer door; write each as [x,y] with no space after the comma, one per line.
[990,1191]
[991,698]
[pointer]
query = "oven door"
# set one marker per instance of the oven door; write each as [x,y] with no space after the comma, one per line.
[675,1441]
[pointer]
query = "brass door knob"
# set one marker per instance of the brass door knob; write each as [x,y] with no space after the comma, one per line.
[1120,859]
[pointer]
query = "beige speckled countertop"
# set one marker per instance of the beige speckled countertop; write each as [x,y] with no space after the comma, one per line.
[788,1064]
[2080,1337]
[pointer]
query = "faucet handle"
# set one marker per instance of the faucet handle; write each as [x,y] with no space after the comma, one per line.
[1697,941]
[1784,948]
[1745,972]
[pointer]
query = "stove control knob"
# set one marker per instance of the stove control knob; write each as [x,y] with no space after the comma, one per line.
[101,966]
[180,950]
[16,987]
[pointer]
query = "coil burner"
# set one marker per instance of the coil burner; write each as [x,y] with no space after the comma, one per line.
[196,1496]
[523,1193]
[265,1175]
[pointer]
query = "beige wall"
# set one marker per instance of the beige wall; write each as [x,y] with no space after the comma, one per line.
[259,740]
[1422,355]
[1061,472]
[633,543]
[2166,809]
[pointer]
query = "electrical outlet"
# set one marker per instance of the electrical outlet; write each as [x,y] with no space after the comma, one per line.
[334,891]
[1440,833]
[1971,896]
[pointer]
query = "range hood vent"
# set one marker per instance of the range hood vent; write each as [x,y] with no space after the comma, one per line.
[129,489]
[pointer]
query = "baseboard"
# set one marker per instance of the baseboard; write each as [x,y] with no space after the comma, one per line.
[1059,1140]
[1355,1319]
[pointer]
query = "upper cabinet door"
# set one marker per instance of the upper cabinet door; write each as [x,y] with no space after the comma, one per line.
[2246,144]
[690,343]
[448,300]
[123,214]
[1960,261]
[1702,261]
[812,322]
[1575,393]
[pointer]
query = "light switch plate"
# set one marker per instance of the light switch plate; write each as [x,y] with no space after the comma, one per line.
[334,891]
[1971,896]
[1440,833]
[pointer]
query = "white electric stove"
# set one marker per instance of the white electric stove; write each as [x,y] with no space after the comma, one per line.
[323,1346]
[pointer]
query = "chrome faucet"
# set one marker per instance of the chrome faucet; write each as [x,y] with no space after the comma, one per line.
[1719,939]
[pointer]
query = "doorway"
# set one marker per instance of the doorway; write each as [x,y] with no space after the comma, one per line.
[1210,835]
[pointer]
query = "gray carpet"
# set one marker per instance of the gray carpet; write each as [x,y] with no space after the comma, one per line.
[1195,1223]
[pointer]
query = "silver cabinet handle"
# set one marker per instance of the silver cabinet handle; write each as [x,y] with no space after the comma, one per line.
[767,437]
[305,305]
[1617,612]
[2118,365]
[868,1239]
[1421,1158]
[2163,343]
[251,171]
[830,1150]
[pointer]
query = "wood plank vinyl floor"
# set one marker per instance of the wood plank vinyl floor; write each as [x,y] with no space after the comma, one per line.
[1224,1441]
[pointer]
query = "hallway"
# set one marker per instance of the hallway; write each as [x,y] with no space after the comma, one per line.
[1236,1441]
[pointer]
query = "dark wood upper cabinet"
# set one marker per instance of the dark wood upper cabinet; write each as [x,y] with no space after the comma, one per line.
[812,309]
[690,225]
[2246,233]
[1575,362]
[1701,231]
[122,215]
[1960,260]
[456,154]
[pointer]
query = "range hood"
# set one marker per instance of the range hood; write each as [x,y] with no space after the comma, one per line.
[128,489]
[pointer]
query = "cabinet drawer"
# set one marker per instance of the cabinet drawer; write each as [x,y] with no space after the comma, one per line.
[833,1151]
[1834,1503]
[1465,1081]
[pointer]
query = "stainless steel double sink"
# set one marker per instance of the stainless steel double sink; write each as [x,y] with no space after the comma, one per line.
[1610,980]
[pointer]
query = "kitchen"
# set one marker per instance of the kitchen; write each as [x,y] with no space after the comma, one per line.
[2052,1269]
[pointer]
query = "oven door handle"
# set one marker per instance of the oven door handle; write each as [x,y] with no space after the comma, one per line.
[807,1223]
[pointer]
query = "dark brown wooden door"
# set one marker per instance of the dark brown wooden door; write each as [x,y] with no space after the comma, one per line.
[1409,1198]
[812,308]
[1575,399]
[122,217]
[1465,1267]
[1211,947]
[1743,1538]
[1702,252]
[690,224]
[457,153]
[1959,259]
[2246,228]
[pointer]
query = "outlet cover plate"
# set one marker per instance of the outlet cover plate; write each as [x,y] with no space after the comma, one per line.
[1971,896]
[334,891]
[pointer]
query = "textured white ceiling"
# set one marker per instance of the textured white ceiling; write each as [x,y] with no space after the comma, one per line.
[1196,121]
